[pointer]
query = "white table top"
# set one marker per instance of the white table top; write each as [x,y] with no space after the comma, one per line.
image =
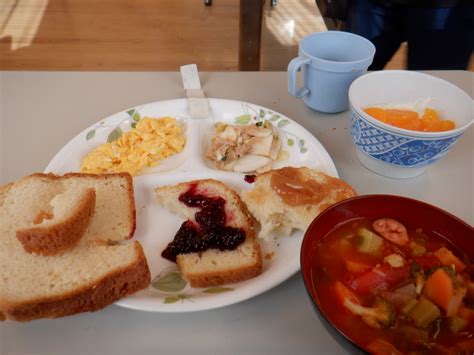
[42,111]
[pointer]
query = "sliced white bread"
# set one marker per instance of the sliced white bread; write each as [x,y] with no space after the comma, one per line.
[61,224]
[275,215]
[214,267]
[115,215]
[92,275]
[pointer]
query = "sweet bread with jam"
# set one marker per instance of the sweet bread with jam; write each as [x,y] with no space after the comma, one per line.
[290,198]
[216,243]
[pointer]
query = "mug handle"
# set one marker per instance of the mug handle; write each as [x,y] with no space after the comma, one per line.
[293,67]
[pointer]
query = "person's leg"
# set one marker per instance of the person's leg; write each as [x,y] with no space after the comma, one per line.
[379,24]
[440,38]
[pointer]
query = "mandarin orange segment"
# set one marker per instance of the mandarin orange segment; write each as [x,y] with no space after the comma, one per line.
[378,113]
[431,113]
[403,115]
[447,125]
[411,120]
[430,120]
[401,118]
[416,125]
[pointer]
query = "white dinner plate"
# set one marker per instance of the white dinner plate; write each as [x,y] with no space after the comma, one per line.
[156,227]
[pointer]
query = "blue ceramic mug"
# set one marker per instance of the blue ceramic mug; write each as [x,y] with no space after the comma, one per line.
[329,61]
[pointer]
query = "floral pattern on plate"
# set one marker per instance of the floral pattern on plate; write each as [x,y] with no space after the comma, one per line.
[133,118]
[172,287]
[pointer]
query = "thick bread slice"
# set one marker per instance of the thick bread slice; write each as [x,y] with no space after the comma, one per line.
[275,215]
[89,277]
[111,273]
[215,267]
[70,212]
[114,216]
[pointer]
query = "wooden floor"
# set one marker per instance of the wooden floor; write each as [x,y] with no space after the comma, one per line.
[119,35]
[148,35]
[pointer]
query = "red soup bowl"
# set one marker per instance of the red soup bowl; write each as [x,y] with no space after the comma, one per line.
[432,220]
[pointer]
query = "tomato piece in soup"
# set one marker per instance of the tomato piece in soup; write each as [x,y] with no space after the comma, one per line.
[427,261]
[379,278]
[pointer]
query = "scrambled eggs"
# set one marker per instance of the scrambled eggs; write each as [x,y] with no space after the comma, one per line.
[144,146]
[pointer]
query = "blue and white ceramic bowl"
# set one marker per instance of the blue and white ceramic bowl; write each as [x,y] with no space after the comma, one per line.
[397,152]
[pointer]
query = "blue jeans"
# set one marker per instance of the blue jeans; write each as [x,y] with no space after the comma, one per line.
[438,37]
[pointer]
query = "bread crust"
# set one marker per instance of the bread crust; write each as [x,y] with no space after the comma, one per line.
[88,298]
[62,236]
[217,278]
[3,192]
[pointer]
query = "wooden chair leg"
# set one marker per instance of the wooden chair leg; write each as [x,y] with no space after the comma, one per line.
[251,14]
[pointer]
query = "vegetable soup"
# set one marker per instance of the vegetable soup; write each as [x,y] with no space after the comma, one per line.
[396,289]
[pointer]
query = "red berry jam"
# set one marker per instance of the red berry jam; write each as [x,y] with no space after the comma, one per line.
[210,231]
[250,178]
